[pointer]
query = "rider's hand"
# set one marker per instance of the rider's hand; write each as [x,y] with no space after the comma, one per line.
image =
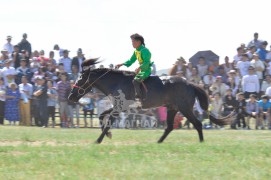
[137,70]
[118,66]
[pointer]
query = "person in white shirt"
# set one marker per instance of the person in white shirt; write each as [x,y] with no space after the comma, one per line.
[266,84]
[209,79]
[258,66]
[268,92]
[251,51]
[202,67]
[8,46]
[257,43]
[8,73]
[238,56]
[26,90]
[243,65]
[250,83]
[67,62]
[219,87]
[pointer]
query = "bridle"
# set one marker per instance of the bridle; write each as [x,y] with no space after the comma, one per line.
[89,85]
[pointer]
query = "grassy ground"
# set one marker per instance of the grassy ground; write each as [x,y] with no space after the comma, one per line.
[36,153]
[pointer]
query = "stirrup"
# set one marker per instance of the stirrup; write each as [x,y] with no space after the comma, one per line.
[137,103]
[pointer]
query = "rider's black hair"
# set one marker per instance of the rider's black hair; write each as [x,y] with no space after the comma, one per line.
[138,38]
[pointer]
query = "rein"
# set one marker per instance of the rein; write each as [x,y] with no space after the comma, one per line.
[90,85]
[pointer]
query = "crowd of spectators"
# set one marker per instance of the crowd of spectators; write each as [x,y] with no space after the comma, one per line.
[242,84]
[33,85]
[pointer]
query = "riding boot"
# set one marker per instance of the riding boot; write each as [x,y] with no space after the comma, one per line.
[137,89]
[138,96]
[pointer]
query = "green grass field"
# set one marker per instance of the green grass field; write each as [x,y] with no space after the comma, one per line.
[37,153]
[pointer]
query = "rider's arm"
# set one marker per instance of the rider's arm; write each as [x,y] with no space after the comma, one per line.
[130,61]
[146,56]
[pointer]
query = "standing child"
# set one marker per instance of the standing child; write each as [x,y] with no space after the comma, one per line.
[2,100]
[264,111]
[12,113]
[241,112]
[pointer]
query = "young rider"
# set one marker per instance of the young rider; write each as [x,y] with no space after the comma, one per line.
[143,55]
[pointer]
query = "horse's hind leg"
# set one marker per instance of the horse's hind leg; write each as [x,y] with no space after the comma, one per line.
[188,113]
[103,124]
[170,121]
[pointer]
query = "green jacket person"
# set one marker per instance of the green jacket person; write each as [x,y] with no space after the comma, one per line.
[143,55]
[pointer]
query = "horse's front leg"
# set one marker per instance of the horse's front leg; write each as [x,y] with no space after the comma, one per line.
[106,124]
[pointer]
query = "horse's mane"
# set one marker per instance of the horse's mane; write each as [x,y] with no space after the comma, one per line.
[115,71]
[91,62]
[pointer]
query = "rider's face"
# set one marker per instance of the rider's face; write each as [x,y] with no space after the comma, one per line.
[136,43]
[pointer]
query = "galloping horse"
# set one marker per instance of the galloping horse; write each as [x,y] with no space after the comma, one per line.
[177,96]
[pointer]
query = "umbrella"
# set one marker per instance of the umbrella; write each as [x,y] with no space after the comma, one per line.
[209,56]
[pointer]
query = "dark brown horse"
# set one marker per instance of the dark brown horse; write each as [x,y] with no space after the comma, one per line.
[177,96]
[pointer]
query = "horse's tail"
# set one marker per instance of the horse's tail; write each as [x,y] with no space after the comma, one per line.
[204,104]
[202,97]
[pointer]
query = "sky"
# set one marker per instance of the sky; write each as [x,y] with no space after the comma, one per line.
[102,28]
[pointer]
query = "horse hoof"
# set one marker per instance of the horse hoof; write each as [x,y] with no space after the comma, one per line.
[109,135]
[97,142]
[159,142]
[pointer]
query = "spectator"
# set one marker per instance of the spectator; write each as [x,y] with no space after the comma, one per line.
[268,55]
[16,57]
[73,107]
[66,61]
[202,67]
[218,87]
[264,111]
[255,42]
[258,66]
[63,88]
[23,71]
[58,52]
[222,73]
[252,109]
[266,83]
[51,101]
[40,93]
[250,83]
[162,115]
[12,113]
[251,51]
[25,45]
[229,102]
[189,69]
[88,108]
[3,58]
[8,73]
[52,60]
[233,86]
[232,74]
[42,59]
[262,51]
[8,46]
[74,74]
[241,112]
[214,68]
[238,56]
[243,65]
[178,66]
[217,104]
[26,91]
[195,78]
[2,100]
[227,65]
[77,60]
[209,79]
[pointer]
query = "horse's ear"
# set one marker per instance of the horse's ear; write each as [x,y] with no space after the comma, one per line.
[90,62]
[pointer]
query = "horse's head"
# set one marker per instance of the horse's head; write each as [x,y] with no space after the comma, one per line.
[84,83]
